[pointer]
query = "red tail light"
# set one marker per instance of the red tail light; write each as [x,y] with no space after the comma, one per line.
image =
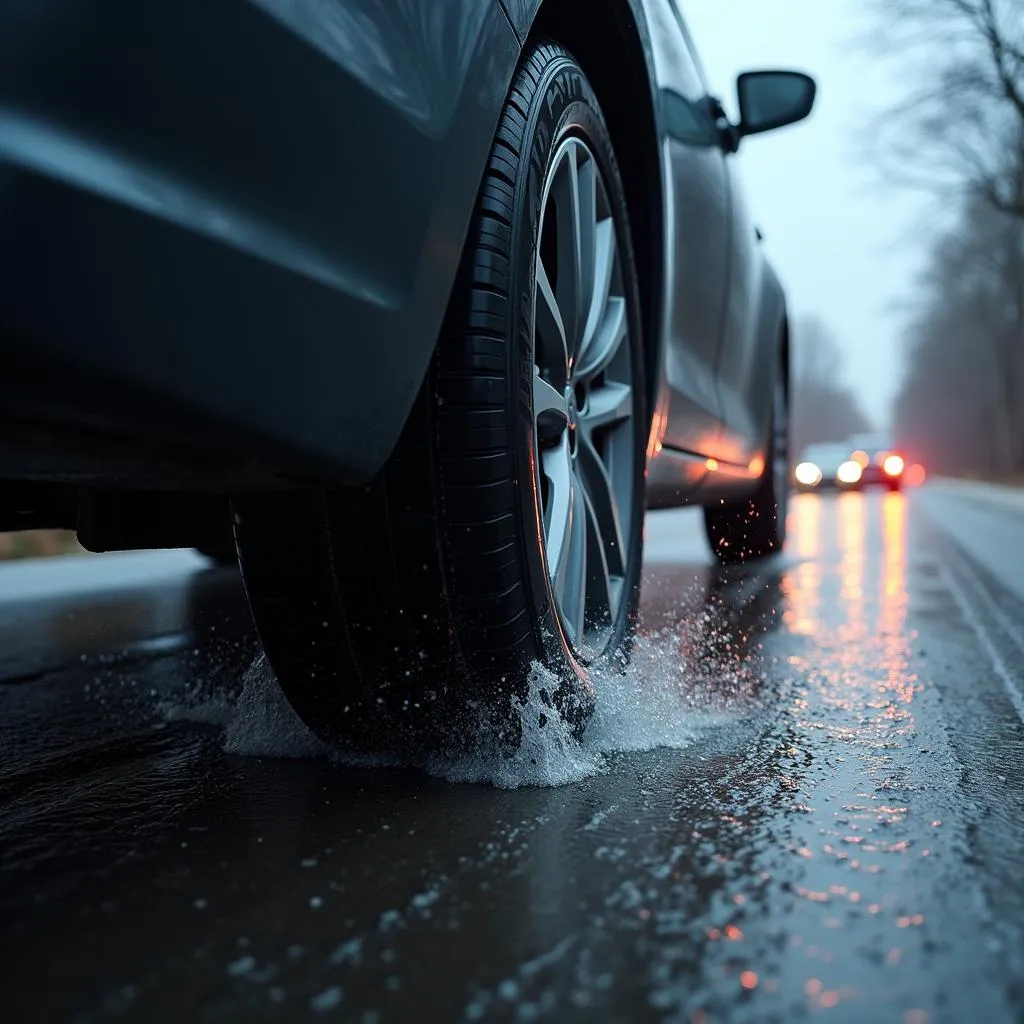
[916,475]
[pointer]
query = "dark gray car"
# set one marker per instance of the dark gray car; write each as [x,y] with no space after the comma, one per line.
[427,299]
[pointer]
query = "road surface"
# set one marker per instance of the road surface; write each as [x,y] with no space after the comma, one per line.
[804,798]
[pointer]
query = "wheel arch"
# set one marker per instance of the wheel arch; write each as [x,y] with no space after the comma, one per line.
[629,110]
[784,353]
[774,344]
[784,365]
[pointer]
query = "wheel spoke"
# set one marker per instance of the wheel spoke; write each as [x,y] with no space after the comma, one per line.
[575,193]
[557,469]
[600,294]
[550,326]
[603,590]
[604,506]
[586,191]
[600,349]
[608,405]
[570,575]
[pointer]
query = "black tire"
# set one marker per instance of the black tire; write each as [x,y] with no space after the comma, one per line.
[396,613]
[744,531]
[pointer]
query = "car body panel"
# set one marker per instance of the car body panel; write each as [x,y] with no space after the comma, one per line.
[874,474]
[748,321]
[521,15]
[254,256]
[696,236]
[748,358]
[871,450]
[264,245]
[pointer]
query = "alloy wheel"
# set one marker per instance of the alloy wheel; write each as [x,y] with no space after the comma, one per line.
[583,399]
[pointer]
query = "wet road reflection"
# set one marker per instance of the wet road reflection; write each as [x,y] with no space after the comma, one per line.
[826,833]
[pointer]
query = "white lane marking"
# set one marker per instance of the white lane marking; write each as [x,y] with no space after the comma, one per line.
[1013,690]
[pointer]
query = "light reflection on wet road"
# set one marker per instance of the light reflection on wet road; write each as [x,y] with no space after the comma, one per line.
[841,835]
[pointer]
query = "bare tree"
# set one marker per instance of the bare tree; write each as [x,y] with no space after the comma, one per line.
[959,133]
[961,124]
[823,407]
[962,401]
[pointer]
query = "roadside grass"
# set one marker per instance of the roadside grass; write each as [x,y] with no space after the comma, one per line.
[1007,479]
[39,544]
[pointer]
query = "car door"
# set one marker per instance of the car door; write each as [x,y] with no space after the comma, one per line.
[696,235]
[746,358]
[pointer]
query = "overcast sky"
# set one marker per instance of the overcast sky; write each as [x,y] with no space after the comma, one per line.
[844,246]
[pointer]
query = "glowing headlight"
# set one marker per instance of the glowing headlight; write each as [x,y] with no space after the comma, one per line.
[893,465]
[808,474]
[849,472]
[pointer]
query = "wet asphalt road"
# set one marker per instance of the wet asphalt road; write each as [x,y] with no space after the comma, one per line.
[827,821]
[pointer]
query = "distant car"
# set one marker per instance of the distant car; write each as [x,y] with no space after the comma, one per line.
[827,465]
[427,300]
[881,461]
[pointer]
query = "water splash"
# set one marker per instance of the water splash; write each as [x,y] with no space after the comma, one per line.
[264,724]
[673,689]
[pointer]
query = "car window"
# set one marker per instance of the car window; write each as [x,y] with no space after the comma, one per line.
[826,451]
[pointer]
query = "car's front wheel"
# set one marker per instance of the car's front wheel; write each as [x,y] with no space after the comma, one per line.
[506,529]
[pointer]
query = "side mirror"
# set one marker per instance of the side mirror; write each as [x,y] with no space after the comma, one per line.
[773,99]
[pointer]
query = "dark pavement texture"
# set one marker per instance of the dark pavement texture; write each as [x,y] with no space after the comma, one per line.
[805,798]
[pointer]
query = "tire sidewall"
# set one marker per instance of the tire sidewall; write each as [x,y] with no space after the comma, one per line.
[564,106]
